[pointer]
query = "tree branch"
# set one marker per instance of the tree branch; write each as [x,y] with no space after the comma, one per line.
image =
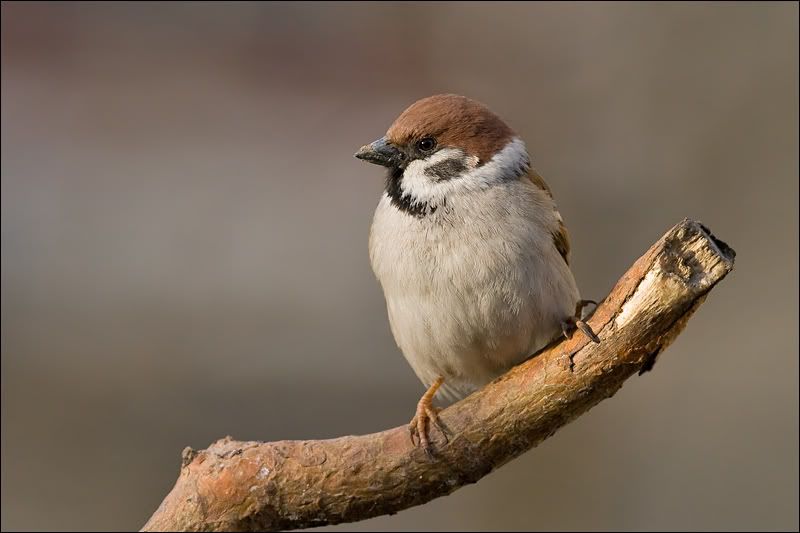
[251,486]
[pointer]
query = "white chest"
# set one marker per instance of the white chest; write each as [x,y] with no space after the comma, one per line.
[473,288]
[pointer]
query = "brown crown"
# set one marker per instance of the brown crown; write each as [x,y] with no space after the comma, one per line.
[454,121]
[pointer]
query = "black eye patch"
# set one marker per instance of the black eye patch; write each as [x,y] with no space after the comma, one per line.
[447,169]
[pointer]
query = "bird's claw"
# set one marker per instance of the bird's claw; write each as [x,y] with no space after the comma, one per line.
[576,321]
[419,429]
[419,424]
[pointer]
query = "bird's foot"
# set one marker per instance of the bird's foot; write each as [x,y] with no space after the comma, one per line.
[425,412]
[569,325]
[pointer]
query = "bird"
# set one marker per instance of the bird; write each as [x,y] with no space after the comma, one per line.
[469,248]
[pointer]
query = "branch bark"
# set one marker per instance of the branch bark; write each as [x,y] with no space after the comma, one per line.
[256,486]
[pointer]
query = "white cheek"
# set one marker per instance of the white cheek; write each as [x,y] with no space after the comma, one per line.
[424,189]
[419,185]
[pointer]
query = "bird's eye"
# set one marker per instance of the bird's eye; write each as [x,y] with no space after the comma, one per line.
[427,144]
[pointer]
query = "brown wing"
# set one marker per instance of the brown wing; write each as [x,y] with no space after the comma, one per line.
[560,236]
[561,240]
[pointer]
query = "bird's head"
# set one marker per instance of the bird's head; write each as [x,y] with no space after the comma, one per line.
[444,145]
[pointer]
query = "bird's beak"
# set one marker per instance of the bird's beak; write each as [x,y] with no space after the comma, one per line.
[381,152]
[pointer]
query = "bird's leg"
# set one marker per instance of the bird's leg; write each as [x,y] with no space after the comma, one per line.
[576,321]
[581,304]
[426,411]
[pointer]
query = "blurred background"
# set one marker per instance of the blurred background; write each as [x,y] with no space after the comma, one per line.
[184,244]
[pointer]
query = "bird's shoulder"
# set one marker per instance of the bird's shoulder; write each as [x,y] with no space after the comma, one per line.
[559,234]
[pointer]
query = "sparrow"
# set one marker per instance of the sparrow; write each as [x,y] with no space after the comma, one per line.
[469,249]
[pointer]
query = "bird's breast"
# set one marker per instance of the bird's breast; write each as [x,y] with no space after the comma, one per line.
[469,293]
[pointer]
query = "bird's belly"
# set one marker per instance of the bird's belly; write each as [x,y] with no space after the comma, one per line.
[469,297]
[469,334]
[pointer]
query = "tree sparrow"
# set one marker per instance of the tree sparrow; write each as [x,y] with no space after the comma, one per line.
[469,248]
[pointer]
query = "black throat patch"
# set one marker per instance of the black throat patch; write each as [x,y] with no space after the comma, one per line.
[404,203]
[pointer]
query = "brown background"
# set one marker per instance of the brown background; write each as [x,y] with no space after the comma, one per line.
[184,236]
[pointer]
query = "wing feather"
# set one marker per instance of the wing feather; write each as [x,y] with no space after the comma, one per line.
[560,235]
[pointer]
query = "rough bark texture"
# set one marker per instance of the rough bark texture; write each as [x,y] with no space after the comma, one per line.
[250,486]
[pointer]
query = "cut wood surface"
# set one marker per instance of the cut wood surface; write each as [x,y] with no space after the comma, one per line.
[257,486]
